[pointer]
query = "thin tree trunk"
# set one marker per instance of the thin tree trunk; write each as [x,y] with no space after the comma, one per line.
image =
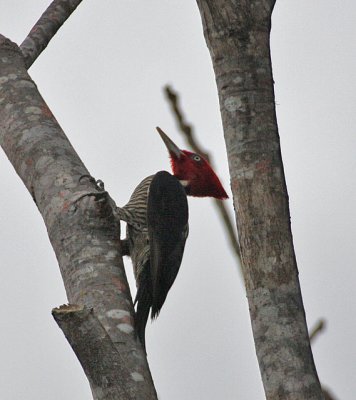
[237,33]
[83,232]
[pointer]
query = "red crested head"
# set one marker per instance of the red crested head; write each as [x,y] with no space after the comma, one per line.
[193,171]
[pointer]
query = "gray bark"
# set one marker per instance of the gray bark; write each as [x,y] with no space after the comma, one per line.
[80,223]
[237,33]
[46,27]
[92,345]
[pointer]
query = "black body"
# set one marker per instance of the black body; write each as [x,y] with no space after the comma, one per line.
[157,219]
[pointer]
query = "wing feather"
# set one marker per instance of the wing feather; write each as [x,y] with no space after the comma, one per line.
[167,223]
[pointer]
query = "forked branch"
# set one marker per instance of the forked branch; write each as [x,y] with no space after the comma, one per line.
[82,229]
[102,363]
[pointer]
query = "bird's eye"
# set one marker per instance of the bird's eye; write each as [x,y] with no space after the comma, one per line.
[196,157]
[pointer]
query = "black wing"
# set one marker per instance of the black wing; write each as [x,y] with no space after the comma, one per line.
[167,223]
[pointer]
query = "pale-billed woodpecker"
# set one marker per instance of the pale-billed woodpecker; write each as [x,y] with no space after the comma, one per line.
[157,226]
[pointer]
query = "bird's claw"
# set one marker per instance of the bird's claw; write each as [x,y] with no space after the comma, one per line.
[99,184]
[99,187]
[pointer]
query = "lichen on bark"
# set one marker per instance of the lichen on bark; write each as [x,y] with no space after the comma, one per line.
[237,33]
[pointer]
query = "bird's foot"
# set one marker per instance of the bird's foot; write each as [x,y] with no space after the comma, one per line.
[99,184]
[98,193]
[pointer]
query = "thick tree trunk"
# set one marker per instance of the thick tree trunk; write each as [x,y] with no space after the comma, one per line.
[83,232]
[237,33]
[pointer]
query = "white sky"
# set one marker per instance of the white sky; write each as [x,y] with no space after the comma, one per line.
[102,76]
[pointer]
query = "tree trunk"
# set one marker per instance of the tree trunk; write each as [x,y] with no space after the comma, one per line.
[237,33]
[83,232]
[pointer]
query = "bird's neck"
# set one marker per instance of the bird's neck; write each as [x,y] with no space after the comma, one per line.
[185,185]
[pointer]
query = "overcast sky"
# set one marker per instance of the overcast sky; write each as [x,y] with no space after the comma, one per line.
[102,76]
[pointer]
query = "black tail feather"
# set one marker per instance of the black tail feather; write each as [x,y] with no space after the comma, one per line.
[144,303]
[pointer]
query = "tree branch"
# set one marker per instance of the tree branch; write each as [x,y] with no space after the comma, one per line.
[237,33]
[103,365]
[188,132]
[317,329]
[328,395]
[78,214]
[45,28]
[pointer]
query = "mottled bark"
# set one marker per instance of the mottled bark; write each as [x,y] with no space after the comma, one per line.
[79,219]
[237,33]
[46,27]
[90,342]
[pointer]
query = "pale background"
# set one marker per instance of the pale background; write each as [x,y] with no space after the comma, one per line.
[102,76]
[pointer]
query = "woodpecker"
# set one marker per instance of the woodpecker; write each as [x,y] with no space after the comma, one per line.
[157,226]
